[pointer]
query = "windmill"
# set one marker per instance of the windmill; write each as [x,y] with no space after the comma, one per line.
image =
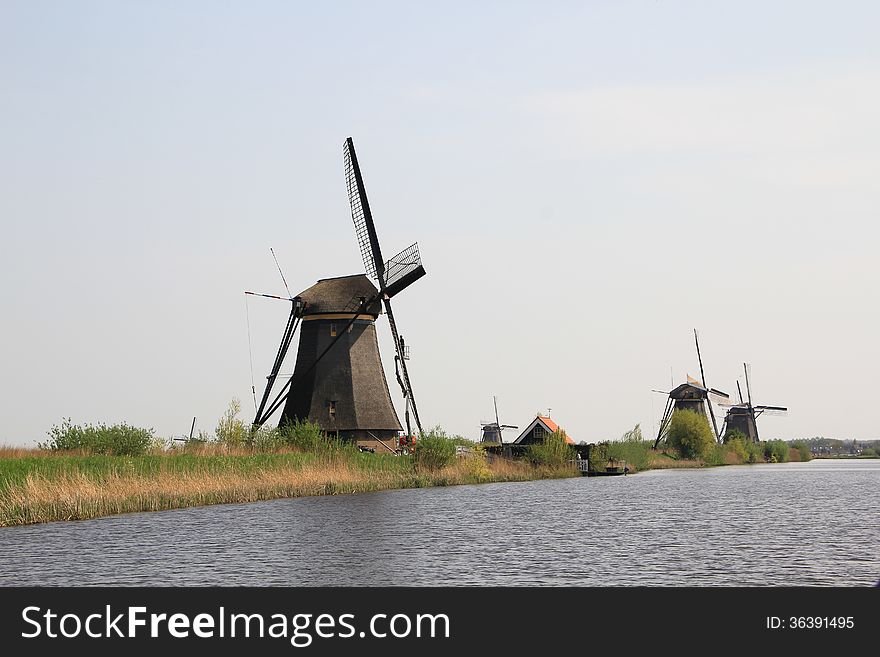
[743,416]
[492,430]
[693,395]
[338,381]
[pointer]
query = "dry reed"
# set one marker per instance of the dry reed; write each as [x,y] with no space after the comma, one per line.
[77,496]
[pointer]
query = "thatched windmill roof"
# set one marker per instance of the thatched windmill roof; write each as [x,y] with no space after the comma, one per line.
[340,295]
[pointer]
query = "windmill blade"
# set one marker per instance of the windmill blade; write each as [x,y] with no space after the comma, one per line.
[718,396]
[706,385]
[740,391]
[361,215]
[497,421]
[283,280]
[700,359]
[746,369]
[398,347]
[509,426]
[771,410]
[403,270]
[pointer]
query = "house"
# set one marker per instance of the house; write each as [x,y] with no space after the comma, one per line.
[536,430]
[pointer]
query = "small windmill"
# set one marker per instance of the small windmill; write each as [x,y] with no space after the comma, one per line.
[743,417]
[338,381]
[492,430]
[693,396]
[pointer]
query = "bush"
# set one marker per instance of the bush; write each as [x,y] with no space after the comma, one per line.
[631,448]
[230,430]
[776,451]
[734,435]
[434,450]
[476,464]
[803,450]
[690,434]
[117,439]
[634,435]
[553,450]
[599,456]
[716,454]
[304,435]
[744,448]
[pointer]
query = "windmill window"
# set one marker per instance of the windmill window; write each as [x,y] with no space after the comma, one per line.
[333,330]
[332,409]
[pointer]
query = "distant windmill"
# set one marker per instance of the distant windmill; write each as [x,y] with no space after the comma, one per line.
[338,381]
[743,417]
[492,430]
[693,396]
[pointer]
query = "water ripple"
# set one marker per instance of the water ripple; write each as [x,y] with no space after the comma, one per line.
[810,524]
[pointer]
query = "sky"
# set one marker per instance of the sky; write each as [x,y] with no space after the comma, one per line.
[587,181]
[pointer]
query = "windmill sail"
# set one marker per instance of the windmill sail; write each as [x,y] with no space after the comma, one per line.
[361,215]
[406,266]
[403,270]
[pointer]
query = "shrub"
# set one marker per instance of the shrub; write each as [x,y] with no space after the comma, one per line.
[304,435]
[776,451]
[690,434]
[475,463]
[803,450]
[434,450]
[715,454]
[634,435]
[553,450]
[744,448]
[267,439]
[631,448]
[230,430]
[734,435]
[117,439]
[599,456]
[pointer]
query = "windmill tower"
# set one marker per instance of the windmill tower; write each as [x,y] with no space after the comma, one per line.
[338,381]
[693,395]
[743,417]
[491,431]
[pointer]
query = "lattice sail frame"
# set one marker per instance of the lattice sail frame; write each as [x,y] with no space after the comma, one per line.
[358,215]
[405,262]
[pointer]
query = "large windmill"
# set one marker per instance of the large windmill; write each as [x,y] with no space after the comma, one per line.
[491,431]
[692,396]
[338,381]
[743,417]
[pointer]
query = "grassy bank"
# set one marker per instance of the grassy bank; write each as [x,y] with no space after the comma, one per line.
[39,486]
[691,444]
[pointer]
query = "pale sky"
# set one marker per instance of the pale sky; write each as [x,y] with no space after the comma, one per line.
[587,182]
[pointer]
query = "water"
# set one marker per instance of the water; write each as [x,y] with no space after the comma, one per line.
[793,524]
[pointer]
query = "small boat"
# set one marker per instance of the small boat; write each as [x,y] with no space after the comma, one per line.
[608,472]
[612,469]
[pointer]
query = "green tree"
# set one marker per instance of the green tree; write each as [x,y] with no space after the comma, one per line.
[434,450]
[803,449]
[690,434]
[231,430]
[776,451]
[553,450]
[634,435]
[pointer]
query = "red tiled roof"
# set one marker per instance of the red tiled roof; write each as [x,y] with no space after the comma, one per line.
[552,426]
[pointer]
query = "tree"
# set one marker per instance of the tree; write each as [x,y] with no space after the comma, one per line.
[690,434]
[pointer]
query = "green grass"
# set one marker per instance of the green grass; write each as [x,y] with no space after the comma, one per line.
[99,468]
